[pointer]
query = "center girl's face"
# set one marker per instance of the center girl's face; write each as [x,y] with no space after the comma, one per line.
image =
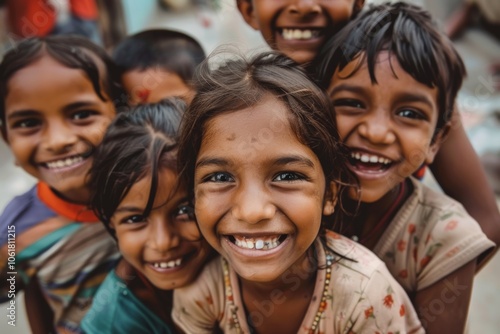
[54,121]
[259,191]
[165,246]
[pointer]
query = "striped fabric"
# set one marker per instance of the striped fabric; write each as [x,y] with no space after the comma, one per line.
[69,258]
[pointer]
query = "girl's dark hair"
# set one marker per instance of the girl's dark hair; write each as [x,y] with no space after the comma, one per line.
[136,144]
[239,83]
[408,33]
[170,50]
[71,51]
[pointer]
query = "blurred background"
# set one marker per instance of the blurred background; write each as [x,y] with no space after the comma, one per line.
[215,22]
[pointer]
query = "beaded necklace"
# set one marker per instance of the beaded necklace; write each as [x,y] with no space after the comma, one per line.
[319,313]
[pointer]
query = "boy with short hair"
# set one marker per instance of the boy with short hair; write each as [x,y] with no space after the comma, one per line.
[156,64]
[393,79]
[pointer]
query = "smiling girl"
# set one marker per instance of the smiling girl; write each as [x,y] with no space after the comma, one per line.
[138,197]
[56,100]
[261,160]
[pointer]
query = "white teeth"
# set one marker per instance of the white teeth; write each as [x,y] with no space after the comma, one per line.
[169,264]
[290,34]
[250,243]
[64,162]
[363,157]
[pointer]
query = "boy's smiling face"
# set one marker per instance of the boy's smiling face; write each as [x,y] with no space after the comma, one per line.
[298,28]
[387,126]
[54,121]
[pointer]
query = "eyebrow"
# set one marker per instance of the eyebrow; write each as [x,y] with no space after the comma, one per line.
[31,112]
[401,97]
[211,161]
[294,159]
[349,88]
[281,161]
[129,209]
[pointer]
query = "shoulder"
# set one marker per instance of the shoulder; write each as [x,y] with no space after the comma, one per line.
[112,306]
[367,296]
[352,256]
[22,212]
[437,202]
[101,315]
[199,306]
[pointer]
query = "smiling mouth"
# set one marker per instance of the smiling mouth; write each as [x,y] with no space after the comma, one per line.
[168,264]
[66,162]
[369,162]
[262,243]
[291,34]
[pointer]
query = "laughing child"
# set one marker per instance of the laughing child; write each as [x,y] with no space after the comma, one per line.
[393,79]
[138,197]
[56,100]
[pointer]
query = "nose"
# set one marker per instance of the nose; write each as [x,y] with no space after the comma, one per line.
[252,204]
[58,137]
[162,236]
[377,129]
[305,7]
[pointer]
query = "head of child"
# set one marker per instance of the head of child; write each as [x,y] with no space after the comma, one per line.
[259,149]
[158,63]
[136,194]
[57,98]
[393,79]
[298,28]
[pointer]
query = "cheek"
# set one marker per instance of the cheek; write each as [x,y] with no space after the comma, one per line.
[341,13]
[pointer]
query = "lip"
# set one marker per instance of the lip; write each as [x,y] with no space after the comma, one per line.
[311,43]
[185,259]
[372,175]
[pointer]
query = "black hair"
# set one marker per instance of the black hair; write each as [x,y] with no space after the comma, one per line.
[170,50]
[71,51]
[136,144]
[408,33]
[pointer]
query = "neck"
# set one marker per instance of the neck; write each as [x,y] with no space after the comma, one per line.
[157,300]
[300,277]
[371,219]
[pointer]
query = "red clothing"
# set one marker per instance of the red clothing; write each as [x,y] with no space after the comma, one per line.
[29,18]
[84,9]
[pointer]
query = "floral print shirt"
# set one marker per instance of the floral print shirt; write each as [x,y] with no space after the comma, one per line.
[361,297]
[430,237]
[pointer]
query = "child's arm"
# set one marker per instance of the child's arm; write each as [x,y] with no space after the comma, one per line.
[460,174]
[443,306]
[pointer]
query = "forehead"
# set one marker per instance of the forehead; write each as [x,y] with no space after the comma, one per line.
[46,82]
[154,84]
[268,116]
[386,67]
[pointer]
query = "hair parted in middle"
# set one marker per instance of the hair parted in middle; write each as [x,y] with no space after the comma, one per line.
[238,82]
[137,144]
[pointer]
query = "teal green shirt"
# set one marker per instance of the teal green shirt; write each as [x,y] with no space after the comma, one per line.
[115,309]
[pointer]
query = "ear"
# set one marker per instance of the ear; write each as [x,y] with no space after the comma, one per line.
[330,200]
[436,143]
[247,11]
